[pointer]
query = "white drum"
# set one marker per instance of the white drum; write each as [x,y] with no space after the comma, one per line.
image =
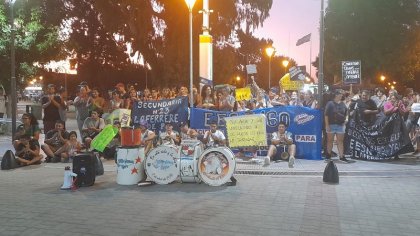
[216,166]
[189,153]
[130,166]
[161,164]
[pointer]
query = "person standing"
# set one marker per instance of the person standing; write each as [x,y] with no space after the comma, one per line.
[335,119]
[51,104]
[3,102]
[82,107]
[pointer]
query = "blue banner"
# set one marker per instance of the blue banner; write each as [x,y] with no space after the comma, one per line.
[304,123]
[158,113]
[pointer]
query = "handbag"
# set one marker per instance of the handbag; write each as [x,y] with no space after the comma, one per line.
[331,173]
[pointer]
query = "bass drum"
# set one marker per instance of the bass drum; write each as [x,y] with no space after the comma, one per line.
[216,166]
[161,164]
[189,153]
[130,168]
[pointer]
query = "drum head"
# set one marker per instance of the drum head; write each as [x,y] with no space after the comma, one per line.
[216,166]
[161,165]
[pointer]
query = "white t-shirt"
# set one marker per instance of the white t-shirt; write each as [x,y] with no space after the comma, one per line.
[168,139]
[218,134]
[276,136]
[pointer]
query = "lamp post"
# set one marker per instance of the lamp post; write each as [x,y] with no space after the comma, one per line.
[190,4]
[13,67]
[285,64]
[270,52]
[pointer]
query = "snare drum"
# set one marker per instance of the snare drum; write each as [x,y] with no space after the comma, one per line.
[130,166]
[189,153]
[216,166]
[161,164]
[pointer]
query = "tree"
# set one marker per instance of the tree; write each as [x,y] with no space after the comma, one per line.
[379,33]
[37,37]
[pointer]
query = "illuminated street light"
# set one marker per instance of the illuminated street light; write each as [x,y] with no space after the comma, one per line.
[394,82]
[285,65]
[392,87]
[270,52]
[190,5]
[41,77]
[383,78]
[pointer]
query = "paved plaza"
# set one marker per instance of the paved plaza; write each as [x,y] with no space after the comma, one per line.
[372,198]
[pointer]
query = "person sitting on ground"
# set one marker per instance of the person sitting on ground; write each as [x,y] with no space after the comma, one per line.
[147,137]
[214,137]
[27,151]
[92,126]
[170,137]
[281,142]
[28,127]
[54,140]
[70,148]
[187,133]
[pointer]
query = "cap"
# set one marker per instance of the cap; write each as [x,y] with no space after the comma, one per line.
[119,85]
[83,83]
[274,90]
[51,86]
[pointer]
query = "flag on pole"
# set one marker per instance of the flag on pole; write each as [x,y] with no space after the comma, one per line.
[304,39]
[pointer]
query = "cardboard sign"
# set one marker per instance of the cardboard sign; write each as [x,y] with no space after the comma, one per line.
[351,72]
[246,130]
[251,69]
[297,73]
[122,115]
[104,138]
[243,94]
[288,84]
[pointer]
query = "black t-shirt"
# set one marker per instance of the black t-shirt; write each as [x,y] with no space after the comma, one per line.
[51,112]
[56,142]
[336,112]
[368,105]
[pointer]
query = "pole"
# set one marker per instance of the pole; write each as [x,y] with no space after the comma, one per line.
[269,73]
[13,69]
[191,62]
[310,58]
[321,56]
[146,75]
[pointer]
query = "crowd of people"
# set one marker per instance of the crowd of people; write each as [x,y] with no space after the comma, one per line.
[91,105]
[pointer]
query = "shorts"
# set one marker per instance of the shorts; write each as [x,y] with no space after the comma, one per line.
[337,129]
[280,149]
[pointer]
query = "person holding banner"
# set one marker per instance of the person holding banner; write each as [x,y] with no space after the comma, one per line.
[366,109]
[335,119]
[281,146]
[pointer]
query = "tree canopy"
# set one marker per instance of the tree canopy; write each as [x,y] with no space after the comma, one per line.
[384,35]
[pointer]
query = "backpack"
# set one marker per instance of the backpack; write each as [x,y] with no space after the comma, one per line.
[331,173]
[9,161]
[339,118]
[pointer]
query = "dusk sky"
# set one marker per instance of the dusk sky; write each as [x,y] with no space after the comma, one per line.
[296,18]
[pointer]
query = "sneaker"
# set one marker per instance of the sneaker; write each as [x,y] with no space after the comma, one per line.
[291,162]
[327,156]
[267,161]
[344,159]
[416,152]
[48,159]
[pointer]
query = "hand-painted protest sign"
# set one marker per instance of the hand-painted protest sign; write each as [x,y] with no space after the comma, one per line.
[351,72]
[287,84]
[378,142]
[251,69]
[122,115]
[158,113]
[104,138]
[297,73]
[243,94]
[304,123]
[246,131]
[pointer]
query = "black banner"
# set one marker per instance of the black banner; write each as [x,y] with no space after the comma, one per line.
[351,72]
[378,142]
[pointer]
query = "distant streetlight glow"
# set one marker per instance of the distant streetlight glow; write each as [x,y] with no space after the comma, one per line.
[190,5]
[285,65]
[270,52]
[394,82]
[383,78]
[238,78]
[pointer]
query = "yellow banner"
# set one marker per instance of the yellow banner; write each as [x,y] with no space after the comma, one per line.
[104,138]
[287,84]
[243,94]
[246,130]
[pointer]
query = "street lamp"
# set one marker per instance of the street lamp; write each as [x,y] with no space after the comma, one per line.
[13,66]
[190,5]
[285,64]
[270,52]
[383,78]
[238,79]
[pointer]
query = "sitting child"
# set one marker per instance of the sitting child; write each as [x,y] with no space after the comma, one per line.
[27,151]
[70,148]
